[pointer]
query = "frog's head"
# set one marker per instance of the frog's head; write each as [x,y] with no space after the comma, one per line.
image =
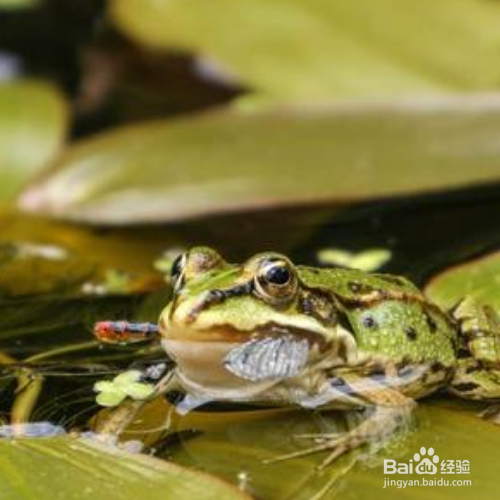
[230,326]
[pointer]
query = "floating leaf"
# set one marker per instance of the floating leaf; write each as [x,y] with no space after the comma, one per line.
[479,278]
[368,260]
[172,170]
[33,123]
[323,49]
[38,256]
[112,393]
[110,396]
[72,469]
[235,449]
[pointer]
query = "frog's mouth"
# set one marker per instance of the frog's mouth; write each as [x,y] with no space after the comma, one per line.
[227,362]
[224,363]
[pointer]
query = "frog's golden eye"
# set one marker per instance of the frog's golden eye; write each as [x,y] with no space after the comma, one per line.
[177,270]
[276,280]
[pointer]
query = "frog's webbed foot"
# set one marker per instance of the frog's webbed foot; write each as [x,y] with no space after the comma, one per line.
[390,412]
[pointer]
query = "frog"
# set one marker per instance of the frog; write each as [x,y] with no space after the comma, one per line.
[267,331]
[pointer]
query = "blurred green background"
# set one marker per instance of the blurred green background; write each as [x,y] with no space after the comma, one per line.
[132,129]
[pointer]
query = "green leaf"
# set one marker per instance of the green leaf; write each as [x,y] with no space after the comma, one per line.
[72,469]
[172,170]
[38,256]
[477,278]
[323,49]
[139,391]
[33,124]
[369,260]
[235,449]
[124,379]
[110,397]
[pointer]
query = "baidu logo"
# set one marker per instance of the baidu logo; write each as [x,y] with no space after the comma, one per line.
[426,462]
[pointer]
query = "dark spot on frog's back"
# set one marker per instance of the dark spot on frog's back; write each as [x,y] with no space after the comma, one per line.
[431,322]
[410,332]
[473,368]
[437,367]
[465,386]
[319,306]
[369,322]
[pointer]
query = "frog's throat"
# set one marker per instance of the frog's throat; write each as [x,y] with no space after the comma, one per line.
[201,371]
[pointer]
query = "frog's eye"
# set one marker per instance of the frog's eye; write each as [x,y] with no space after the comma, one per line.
[276,280]
[177,270]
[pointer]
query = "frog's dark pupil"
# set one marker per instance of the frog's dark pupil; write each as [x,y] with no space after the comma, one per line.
[176,267]
[277,275]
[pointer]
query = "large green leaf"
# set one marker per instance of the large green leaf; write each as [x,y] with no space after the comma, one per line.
[320,49]
[39,256]
[171,170]
[234,445]
[33,123]
[71,469]
[479,278]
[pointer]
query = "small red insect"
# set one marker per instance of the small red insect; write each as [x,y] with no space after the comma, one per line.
[124,332]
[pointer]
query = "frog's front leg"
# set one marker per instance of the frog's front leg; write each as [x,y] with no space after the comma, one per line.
[477,375]
[387,412]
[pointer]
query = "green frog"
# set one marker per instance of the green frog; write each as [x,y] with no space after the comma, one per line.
[268,331]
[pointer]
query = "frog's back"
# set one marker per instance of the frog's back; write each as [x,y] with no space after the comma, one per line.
[388,314]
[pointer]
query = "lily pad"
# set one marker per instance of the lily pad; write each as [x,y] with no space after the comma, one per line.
[227,161]
[236,449]
[72,469]
[33,125]
[39,256]
[479,278]
[323,49]
[368,260]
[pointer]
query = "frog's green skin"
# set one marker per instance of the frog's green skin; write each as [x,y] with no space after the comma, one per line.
[330,337]
[368,326]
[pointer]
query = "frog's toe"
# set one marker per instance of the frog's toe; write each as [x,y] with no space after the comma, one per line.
[381,424]
[337,446]
[325,446]
[492,414]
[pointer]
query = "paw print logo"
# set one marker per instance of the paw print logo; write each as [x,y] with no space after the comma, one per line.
[427,463]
